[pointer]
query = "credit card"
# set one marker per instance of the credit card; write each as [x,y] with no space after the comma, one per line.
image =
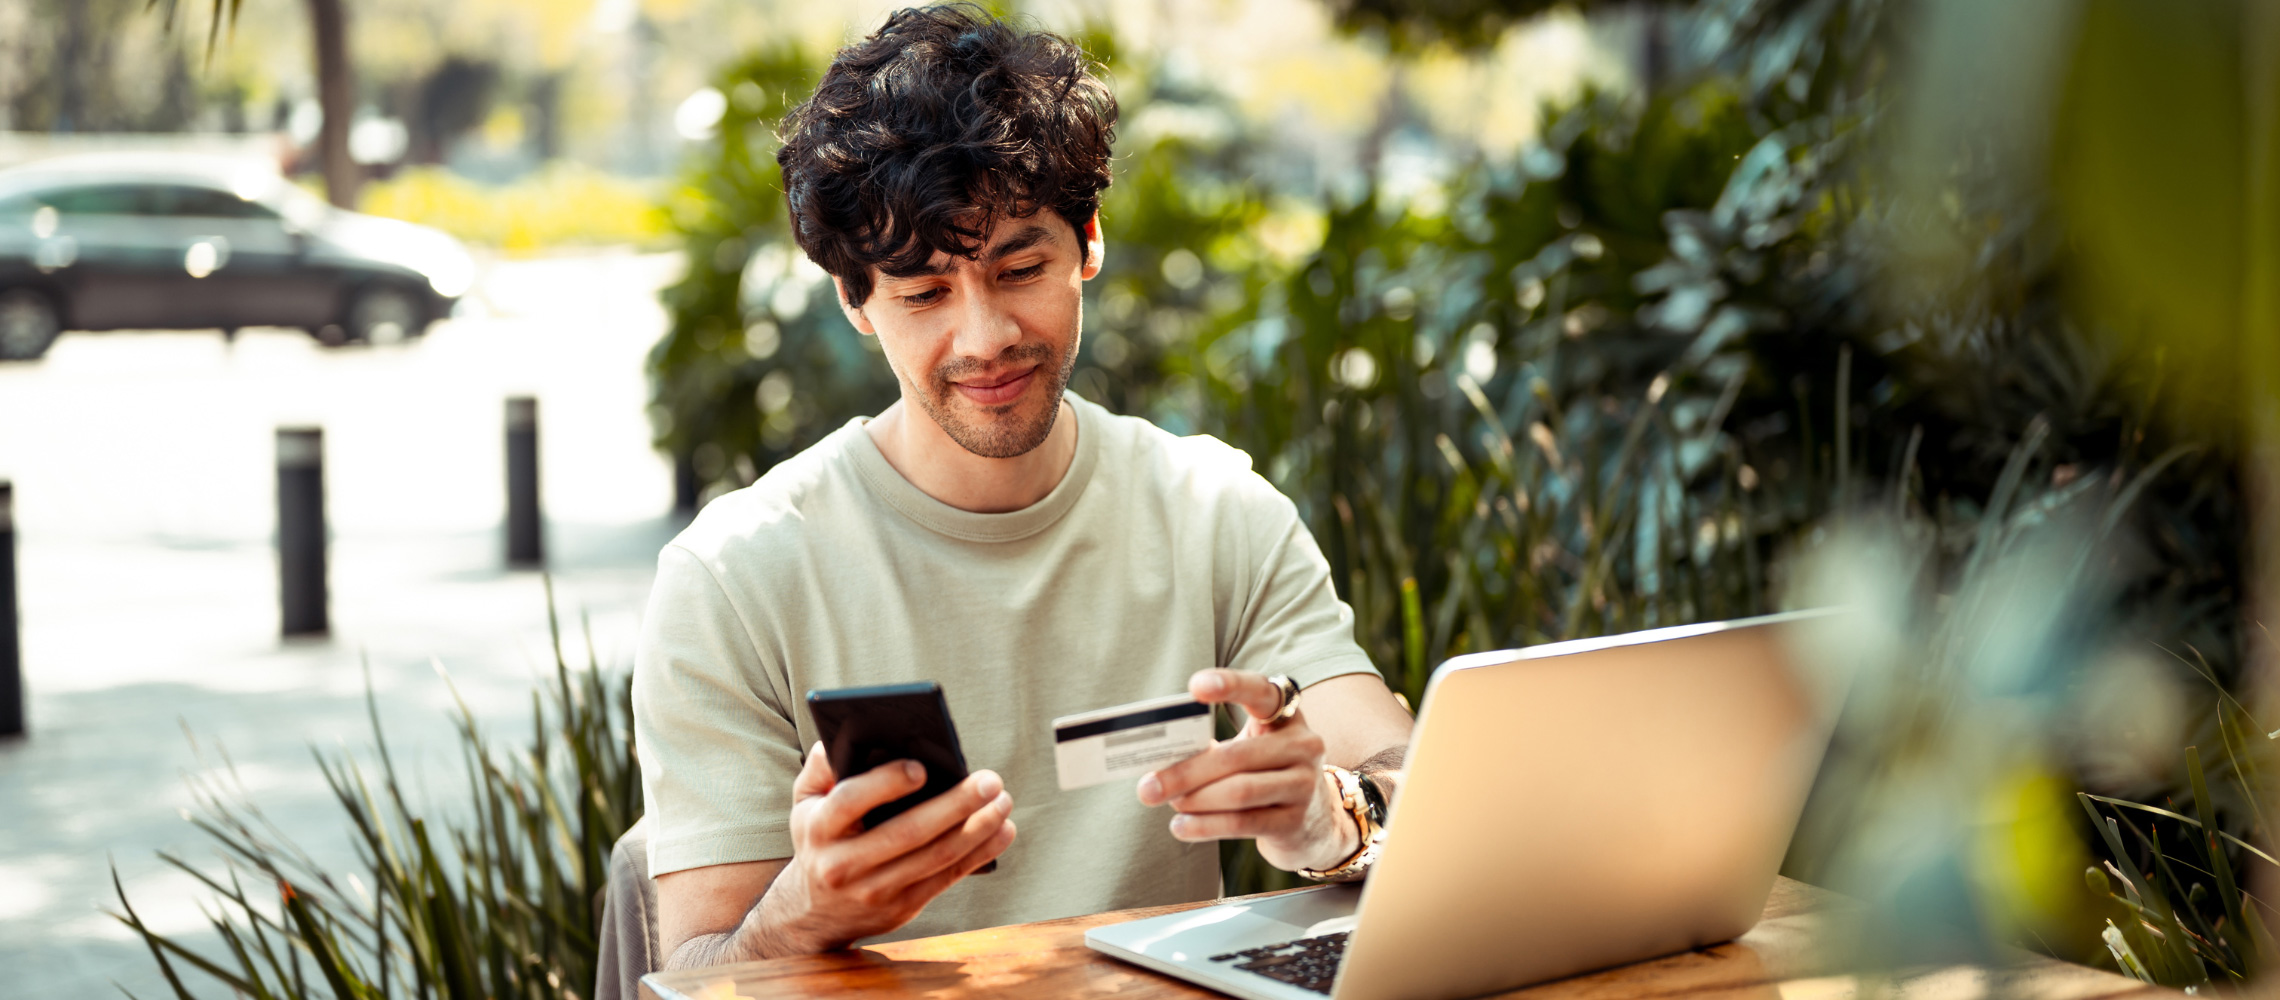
[1128,741]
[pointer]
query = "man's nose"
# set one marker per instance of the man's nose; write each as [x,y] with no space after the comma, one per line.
[985,327]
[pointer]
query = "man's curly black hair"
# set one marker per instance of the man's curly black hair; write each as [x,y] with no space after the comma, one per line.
[923,136]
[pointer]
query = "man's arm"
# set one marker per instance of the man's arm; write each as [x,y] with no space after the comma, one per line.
[842,883]
[1363,728]
[694,907]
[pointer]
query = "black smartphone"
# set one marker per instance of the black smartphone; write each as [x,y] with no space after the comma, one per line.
[865,727]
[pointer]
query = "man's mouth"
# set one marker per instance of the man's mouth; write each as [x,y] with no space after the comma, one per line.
[994,390]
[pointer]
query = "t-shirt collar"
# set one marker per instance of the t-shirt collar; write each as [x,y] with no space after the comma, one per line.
[968,525]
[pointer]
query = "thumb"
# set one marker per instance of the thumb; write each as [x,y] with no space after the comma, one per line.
[815,778]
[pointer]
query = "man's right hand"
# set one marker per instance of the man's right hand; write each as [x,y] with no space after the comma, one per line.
[844,883]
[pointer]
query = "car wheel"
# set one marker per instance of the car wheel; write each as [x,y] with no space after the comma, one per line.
[384,315]
[28,324]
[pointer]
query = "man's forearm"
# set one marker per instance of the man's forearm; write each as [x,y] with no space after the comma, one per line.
[709,949]
[753,939]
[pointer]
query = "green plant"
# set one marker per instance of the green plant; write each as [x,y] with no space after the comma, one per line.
[2164,922]
[758,362]
[1942,802]
[500,901]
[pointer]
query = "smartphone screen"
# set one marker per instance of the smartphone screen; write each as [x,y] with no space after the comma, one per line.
[865,727]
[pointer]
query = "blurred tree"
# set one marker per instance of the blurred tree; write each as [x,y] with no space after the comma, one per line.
[452,100]
[336,85]
[336,95]
[69,60]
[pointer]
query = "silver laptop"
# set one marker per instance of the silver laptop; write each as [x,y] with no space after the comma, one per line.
[1565,808]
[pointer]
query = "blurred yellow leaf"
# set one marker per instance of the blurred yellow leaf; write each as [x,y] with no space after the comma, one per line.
[2027,858]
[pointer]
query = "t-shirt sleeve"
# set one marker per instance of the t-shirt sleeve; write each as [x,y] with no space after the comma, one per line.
[712,728]
[1290,620]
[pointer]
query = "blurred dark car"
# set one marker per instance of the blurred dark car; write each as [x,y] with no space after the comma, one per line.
[165,241]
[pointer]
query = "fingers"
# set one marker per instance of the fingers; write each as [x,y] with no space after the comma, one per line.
[1252,790]
[873,872]
[875,866]
[938,815]
[945,851]
[1293,745]
[1249,823]
[926,889]
[841,811]
[1235,687]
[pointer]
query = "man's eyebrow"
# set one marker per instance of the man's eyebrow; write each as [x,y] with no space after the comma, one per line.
[1022,239]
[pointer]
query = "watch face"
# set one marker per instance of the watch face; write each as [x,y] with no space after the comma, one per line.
[1373,799]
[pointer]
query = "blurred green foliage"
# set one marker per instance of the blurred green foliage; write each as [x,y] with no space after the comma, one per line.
[751,308]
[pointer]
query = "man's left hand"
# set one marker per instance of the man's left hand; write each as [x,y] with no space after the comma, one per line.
[1266,783]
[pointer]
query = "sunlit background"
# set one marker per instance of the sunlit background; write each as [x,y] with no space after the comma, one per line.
[1555,319]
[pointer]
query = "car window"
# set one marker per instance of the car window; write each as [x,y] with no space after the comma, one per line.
[208,202]
[106,199]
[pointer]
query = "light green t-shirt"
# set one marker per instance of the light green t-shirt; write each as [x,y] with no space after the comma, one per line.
[1155,557]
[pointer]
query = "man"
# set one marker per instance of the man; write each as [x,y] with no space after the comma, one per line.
[1033,553]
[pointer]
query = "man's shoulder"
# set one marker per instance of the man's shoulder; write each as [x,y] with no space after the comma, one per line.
[1184,468]
[774,516]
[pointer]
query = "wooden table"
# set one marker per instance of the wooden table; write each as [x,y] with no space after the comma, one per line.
[1777,960]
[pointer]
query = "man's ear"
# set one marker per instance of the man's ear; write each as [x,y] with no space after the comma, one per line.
[1096,249]
[854,313]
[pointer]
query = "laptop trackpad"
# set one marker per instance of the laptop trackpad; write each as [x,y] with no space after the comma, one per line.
[1310,909]
[1215,930]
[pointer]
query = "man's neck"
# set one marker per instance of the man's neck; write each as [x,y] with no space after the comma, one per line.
[941,468]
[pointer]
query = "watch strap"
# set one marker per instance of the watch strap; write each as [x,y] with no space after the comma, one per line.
[1361,800]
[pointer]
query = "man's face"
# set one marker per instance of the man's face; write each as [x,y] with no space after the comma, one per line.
[985,346]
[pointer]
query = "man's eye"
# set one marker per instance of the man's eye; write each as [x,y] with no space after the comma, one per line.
[926,297]
[1025,273]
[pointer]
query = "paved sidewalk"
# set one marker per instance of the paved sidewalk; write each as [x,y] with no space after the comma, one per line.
[145,484]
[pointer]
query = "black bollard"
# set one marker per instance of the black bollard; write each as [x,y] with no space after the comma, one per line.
[523,542]
[11,651]
[301,529]
[686,489]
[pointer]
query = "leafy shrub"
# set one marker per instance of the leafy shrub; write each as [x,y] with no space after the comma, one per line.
[499,900]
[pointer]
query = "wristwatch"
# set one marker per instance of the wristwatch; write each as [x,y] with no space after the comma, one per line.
[1364,801]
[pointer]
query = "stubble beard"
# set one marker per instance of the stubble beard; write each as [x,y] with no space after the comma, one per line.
[1009,435]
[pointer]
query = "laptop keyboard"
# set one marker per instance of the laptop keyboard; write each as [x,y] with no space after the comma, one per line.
[1307,963]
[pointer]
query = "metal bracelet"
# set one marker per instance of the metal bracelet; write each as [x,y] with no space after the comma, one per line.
[1351,798]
